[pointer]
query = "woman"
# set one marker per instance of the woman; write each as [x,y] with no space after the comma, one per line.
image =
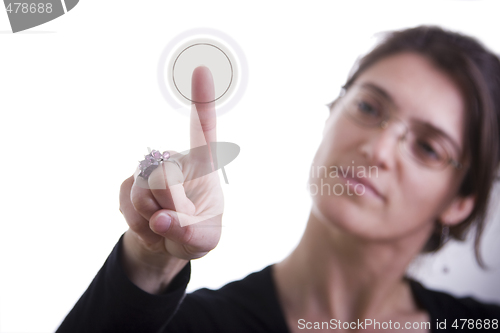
[408,158]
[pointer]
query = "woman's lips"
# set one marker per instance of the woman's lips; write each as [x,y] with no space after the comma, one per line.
[370,188]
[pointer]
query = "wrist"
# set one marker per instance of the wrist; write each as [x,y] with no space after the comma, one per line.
[151,269]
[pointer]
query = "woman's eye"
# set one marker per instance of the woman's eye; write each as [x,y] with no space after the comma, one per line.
[427,150]
[366,109]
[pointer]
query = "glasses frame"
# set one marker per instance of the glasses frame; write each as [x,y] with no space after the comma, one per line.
[384,123]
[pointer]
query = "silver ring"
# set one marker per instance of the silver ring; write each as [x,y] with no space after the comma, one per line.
[152,160]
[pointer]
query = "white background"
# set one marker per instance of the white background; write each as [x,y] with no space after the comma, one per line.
[80,104]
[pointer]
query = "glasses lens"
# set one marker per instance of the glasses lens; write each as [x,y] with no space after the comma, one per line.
[366,109]
[420,142]
[426,148]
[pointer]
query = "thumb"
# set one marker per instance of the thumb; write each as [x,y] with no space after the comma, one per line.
[200,233]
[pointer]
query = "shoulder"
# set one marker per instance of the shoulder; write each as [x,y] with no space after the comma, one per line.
[443,305]
[250,303]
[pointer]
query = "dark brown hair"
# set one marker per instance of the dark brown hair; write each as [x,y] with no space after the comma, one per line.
[476,70]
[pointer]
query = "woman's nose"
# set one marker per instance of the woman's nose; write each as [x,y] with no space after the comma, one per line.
[380,147]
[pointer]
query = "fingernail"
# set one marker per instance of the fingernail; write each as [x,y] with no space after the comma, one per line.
[162,223]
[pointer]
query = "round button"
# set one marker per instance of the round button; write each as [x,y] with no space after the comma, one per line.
[213,49]
[208,55]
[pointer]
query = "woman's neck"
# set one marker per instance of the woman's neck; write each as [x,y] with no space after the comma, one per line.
[333,274]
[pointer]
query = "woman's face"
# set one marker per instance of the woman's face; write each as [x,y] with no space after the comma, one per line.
[408,196]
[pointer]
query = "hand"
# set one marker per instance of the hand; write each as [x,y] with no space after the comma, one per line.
[191,197]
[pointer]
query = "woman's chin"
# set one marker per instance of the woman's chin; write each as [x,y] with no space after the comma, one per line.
[345,215]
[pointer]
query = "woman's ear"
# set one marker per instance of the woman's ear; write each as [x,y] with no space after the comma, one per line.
[457,211]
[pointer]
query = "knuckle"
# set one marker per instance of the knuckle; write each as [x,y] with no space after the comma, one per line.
[209,125]
[167,174]
[134,225]
[139,226]
[192,252]
[134,221]
[186,235]
[126,185]
[156,180]
[140,204]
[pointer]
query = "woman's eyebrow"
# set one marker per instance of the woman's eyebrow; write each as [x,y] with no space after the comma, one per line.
[379,90]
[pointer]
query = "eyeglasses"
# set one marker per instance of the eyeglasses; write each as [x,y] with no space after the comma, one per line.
[422,142]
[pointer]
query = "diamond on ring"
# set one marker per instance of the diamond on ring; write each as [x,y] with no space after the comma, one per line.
[151,162]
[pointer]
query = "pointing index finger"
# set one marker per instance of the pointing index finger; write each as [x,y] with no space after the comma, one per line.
[203,115]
